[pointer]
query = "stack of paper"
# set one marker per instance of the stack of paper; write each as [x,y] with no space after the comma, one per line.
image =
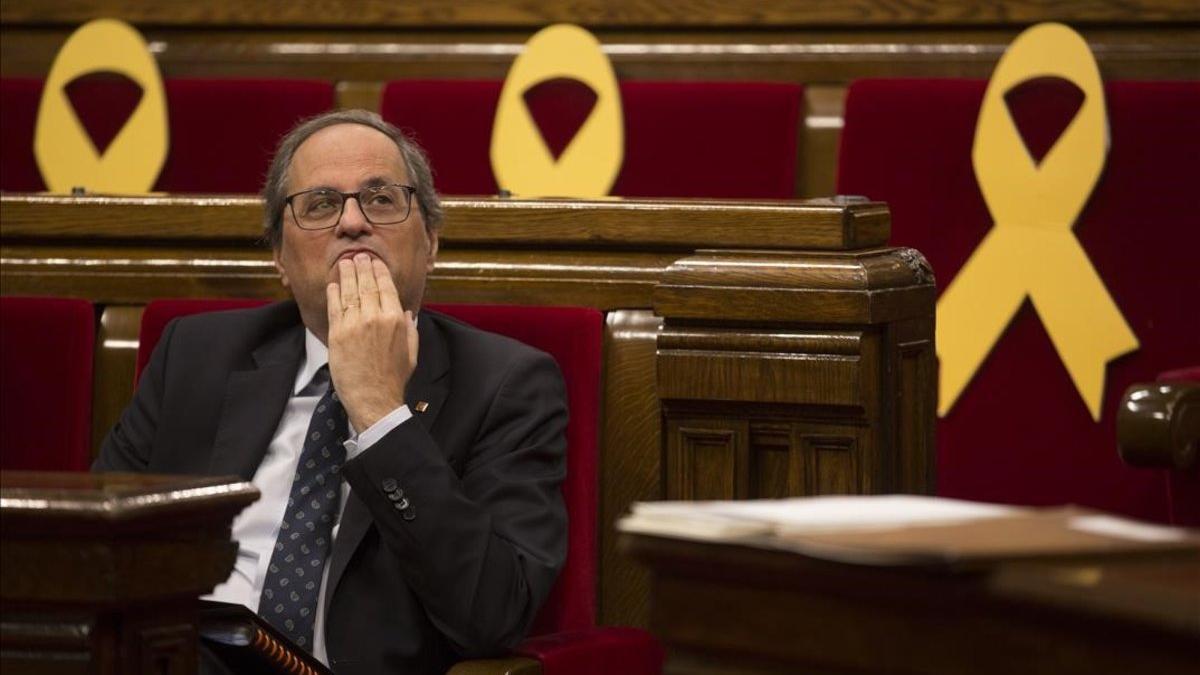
[905,529]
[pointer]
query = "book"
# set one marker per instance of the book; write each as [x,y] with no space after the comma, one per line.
[246,643]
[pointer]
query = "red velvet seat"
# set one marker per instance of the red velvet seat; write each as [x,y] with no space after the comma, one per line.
[1020,432]
[222,132]
[46,347]
[564,636]
[682,139]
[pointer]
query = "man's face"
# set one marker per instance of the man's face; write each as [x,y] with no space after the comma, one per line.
[348,158]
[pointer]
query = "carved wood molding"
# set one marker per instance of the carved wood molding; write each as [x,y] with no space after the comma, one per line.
[90,538]
[625,13]
[862,287]
[682,224]
[810,353]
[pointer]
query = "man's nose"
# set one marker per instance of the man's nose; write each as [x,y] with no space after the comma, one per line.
[353,222]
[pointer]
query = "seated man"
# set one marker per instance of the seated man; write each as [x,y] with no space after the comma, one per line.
[432,528]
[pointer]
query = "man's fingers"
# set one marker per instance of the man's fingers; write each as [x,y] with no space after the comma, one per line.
[333,304]
[414,340]
[368,292]
[389,298]
[349,284]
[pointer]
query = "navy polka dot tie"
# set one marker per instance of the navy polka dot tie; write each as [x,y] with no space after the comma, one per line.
[289,596]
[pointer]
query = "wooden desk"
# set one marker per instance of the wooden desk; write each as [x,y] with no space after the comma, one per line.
[732,609]
[101,572]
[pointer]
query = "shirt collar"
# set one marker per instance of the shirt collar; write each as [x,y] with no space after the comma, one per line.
[316,354]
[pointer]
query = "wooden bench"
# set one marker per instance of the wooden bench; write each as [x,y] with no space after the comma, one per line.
[825,46]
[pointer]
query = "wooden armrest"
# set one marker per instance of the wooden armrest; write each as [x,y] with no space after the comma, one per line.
[512,665]
[1158,425]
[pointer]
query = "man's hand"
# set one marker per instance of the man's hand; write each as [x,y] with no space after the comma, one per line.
[372,340]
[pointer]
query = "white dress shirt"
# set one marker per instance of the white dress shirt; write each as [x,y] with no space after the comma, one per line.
[257,527]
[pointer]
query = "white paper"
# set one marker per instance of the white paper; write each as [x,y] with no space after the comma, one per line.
[1111,526]
[813,514]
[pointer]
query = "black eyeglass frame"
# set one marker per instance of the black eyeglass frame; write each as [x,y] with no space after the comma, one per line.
[409,191]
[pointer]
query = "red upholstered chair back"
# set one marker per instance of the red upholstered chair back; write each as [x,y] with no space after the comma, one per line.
[222,132]
[682,139]
[1020,432]
[574,337]
[46,347]
[159,313]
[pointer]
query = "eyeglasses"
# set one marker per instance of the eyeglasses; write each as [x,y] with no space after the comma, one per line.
[321,208]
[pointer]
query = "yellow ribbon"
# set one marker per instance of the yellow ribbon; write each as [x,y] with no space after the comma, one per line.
[1031,250]
[589,165]
[65,153]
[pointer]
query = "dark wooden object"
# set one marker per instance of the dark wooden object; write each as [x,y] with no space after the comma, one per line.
[824,45]
[1158,425]
[102,572]
[731,609]
[759,348]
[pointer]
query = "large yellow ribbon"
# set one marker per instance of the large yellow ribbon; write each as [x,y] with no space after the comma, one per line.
[65,153]
[589,165]
[1031,250]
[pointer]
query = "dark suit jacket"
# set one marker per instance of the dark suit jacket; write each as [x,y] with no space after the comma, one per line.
[481,468]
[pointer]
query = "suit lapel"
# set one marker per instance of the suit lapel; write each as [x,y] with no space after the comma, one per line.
[254,404]
[427,384]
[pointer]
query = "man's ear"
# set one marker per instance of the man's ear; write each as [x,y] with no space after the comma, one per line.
[432,235]
[283,278]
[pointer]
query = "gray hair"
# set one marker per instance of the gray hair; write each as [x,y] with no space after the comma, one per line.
[275,189]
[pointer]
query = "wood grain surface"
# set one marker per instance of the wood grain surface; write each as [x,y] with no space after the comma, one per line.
[598,13]
[821,224]
[631,456]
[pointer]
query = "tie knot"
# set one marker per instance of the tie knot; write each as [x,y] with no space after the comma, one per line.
[323,380]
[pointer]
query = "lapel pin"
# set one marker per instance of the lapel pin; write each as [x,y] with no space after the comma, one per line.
[421,406]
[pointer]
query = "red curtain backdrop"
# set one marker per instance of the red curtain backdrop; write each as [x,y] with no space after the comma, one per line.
[1020,432]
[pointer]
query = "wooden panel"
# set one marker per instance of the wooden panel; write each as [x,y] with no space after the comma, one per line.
[536,13]
[760,377]
[803,615]
[707,458]
[916,363]
[630,457]
[777,468]
[116,359]
[364,95]
[822,57]
[833,464]
[102,572]
[824,108]
[868,287]
[687,224]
